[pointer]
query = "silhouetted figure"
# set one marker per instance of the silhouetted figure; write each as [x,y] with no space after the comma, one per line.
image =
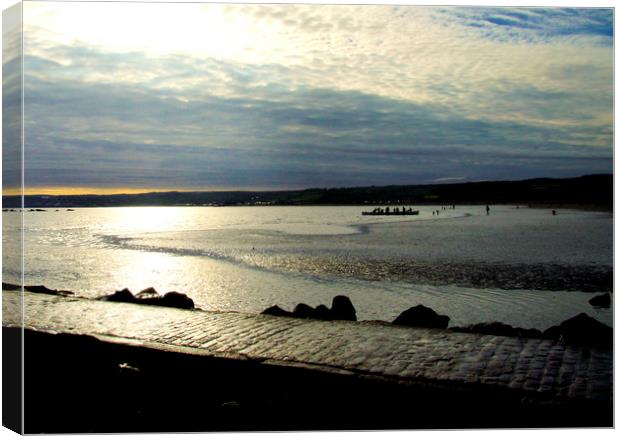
[554,212]
[488,209]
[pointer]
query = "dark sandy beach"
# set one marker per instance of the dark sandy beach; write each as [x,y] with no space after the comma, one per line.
[81,384]
[134,368]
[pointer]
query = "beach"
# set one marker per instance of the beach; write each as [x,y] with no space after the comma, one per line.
[270,217]
[135,368]
[224,366]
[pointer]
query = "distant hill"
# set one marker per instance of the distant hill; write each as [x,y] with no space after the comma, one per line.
[588,191]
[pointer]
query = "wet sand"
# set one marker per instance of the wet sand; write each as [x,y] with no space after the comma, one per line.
[548,277]
[80,384]
[96,366]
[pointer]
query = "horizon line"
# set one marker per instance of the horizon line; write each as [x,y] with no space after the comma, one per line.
[70,191]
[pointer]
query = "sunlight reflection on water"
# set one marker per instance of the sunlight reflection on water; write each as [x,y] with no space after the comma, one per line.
[248,258]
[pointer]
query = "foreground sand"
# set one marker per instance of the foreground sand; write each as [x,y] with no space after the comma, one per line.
[104,367]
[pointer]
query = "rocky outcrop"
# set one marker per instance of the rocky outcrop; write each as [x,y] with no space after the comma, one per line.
[342,309]
[10,287]
[147,293]
[323,312]
[303,311]
[39,289]
[581,329]
[498,329]
[122,296]
[174,299]
[422,316]
[149,296]
[602,301]
[276,311]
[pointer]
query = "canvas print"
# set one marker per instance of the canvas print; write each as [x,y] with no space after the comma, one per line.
[285,217]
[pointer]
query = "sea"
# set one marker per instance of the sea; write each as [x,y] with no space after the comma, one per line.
[523,266]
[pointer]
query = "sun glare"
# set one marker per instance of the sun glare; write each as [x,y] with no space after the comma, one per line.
[146,219]
[153,28]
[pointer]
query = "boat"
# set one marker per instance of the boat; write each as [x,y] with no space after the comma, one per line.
[390,213]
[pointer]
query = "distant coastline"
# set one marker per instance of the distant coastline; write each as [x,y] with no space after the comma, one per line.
[593,192]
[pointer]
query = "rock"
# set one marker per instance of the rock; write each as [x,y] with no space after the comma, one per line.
[176,299]
[276,311]
[499,329]
[342,308]
[147,293]
[122,296]
[303,311]
[581,329]
[10,287]
[323,312]
[603,301]
[40,289]
[171,299]
[422,316]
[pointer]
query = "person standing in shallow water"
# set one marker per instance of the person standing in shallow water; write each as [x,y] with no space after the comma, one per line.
[488,209]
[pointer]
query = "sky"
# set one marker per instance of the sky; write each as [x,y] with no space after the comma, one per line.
[134,97]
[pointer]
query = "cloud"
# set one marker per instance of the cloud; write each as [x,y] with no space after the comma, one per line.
[325,96]
[535,25]
[11,98]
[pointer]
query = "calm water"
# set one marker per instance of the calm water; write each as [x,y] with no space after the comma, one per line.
[522,266]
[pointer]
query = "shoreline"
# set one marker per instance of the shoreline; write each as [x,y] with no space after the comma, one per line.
[134,388]
[124,388]
[175,300]
[151,368]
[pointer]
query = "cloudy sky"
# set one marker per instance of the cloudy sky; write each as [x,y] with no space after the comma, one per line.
[140,97]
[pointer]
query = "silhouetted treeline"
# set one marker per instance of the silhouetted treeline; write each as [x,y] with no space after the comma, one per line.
[591,190]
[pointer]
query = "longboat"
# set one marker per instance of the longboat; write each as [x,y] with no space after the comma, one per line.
[390,213]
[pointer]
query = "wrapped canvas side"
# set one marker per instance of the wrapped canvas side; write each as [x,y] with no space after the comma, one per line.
[12,218]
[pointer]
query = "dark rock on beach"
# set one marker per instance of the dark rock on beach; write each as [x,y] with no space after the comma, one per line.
[10,287]
[323,312]
[581,329]
[147,293]
[276,311]
[122,296]
[498,329]
[149,296]
[302,310]
[39,289]
[422,316]
[342,308]
[175,299]
[602,301]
